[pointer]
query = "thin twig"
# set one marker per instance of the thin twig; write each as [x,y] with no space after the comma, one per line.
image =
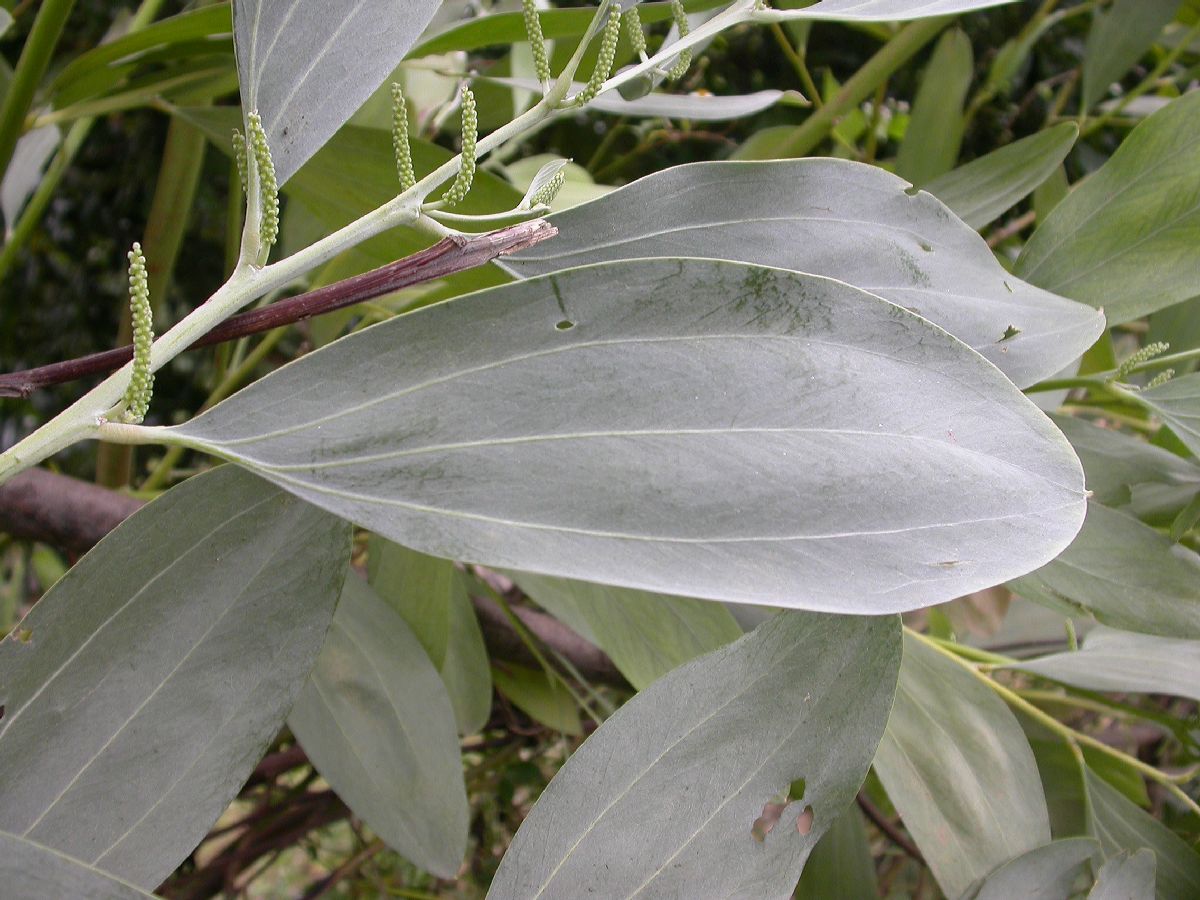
[897,837]
[452,254]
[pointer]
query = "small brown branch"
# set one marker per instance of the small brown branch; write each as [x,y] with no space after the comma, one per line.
[897,837]
[40,506]
[446,257]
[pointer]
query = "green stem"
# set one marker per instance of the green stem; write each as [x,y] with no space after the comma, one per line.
[1070,735]
[894,54]
[35,58]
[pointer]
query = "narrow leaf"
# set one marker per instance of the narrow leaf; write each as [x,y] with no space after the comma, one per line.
[1125,239]
[646,635]
[431,594]
[164,662]
[1125,574]
[1126,876]
[541,698]
[28,869]
[661,800]
[979,191]
[1121,826]
[1126,662]
[1044,873]
[889,10]
[935,127]
[701,107]
[377,724]
[852,222]
[1120,36]
[1178,402]
[959,770]
[306,74]
[689,427]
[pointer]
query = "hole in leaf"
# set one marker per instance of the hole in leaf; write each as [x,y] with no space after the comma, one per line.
[1009,333]
[1,710]
[927,247]
[804,822]
[24,635]
[762,826]
[565,325]
[912,191]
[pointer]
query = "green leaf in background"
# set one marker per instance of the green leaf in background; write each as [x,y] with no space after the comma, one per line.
[1129,663]
[935,127]
[1120,826]
[376,722]
[1179,326]
[692,427]
[982,189]
[646,635]
[538,696]
[1123,470]
[1178,402]
[140,692]
[720,737]
[1126,876]
[431,594]
[1125,239]
[1125,574]
[1120,36]
[958,768]
[840,219]
[307,72]
[30,870]
[1043,873]
[841,866]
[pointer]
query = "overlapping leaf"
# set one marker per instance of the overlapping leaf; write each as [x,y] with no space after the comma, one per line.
[661,800]
[959,770]
[27,869]
[142,689]
[852,222]
[1043,873]
[690,427]
[377,723]
[306,71]
[1178,402]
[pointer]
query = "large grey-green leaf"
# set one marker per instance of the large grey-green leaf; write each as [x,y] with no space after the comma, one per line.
[647,635]
[661,800]
[1124,573]
[30,870]
[1178,402]
[1044,873]
[377,723]
[1125,239]
[1121,826]
[1123,661]
[307,69]
[431,594]
[852,222]
[982,189]
[1126,876]
[690,427]
[143,688]
[1120,36]
[959,770]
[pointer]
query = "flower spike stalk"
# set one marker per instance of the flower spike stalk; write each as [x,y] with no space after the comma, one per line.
[268,187]
[400,145]
[239,155]
[537,43]
[604,63]
[546,195]
[632,20]
[466,167]
[684,61]
[141,383]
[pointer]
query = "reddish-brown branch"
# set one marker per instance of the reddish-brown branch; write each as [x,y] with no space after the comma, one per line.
[446,257]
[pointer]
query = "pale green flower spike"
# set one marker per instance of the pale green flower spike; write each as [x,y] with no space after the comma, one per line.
[604,62]
[268,187]
[141,384]
[684,61]
[546,195]
[1161,378]
[632,20]
[537,43]
[239,155]
[400,146]
[1148,352]
[466,166]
